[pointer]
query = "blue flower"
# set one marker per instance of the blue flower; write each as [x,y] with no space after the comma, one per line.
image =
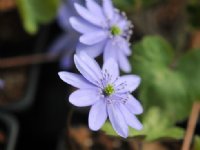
[64,46]
[108,94]
[104,30]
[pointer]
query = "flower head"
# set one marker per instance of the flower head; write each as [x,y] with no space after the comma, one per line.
[64,46]
[107,93]
[104,30]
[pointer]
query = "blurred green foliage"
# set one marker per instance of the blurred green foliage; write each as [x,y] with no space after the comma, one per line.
[197,143]
[36,12]
[168,82]
[170,85]
[132,5]
[155,125]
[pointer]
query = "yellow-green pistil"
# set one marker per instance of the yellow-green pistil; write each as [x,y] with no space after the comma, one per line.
[115,30]
[108,90]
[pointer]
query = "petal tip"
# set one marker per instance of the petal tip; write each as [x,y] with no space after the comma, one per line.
[140,127]
[71,20]
[76,5]
[61,73]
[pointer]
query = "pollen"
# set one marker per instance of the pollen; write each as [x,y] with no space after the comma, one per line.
[109,90]
[115,30]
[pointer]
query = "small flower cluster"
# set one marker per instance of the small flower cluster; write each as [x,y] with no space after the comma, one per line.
[104,30]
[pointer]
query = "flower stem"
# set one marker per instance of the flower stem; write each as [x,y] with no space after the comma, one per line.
[27,60]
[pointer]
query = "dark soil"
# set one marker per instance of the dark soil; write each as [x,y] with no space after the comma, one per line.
[2,139]
[81,138]
[15,84]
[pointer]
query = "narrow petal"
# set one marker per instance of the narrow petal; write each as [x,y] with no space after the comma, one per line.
[94,37]
[117,17]
[84,97]
[131,120]
[82,26]
[108,8]
[95,9]
[111,67]
[124,46]
[91,63]
[117,120]
[92,50]
[68,51]
[131,81]
[75,80]
[83,12]
[97,115]
[59,44]
[123,62]
[123,24]
[64,13]
[133,105]
[110,51]
[88,67]
[66,62]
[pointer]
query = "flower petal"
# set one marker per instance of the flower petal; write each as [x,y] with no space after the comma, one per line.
[132,82]
[108,9]
[63,16]
[110,51]
[94,37]
[111,67]
[84,97]
[124,46]
[59,44]
[131,120]
[117,120]
[94,8]
[75,80]
[83,12]
[88,67]
[66,61]
[68,51]
[92,50]
[82,26]
[97,115]
[123,62]
[133,105]
[123,24]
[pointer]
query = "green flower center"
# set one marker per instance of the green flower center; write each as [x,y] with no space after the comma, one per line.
[109,90]
[115,30]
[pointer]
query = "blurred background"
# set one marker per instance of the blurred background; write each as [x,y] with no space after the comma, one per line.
[37,41]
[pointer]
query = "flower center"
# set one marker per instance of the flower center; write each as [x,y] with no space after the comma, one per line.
[115,30]
[108,90]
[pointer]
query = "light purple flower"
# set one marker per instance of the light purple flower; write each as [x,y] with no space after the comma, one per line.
[104,30]
[64,46]
[108,94]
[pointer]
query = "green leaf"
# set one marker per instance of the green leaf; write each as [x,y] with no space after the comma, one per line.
[156,125]
[125,4]
[108,129]
[197,143]
[36,12]
[170,84]
[189,66]
[161,85]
